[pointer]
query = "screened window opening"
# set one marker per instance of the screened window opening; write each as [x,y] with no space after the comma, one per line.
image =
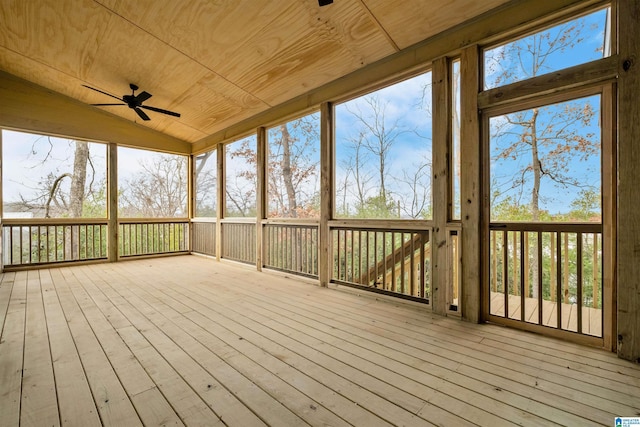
[294,168]
[151,185]
[546,163]
[241,178]
[575,42]
[206,184]
[52,177]
[383,153]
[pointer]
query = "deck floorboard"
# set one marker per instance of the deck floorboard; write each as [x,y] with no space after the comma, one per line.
[191,341]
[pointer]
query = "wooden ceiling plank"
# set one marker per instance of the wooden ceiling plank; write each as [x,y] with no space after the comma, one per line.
[415,20]
[54,32]
[312,52]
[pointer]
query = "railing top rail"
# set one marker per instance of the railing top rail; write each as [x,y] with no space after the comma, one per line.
[204,219]
[382,225]
[54,221]
[583,227]
[292,225]
[239,220]
[292,221]
[151,220]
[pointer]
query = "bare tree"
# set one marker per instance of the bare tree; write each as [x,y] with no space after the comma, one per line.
[378,136]
[550,136]
[62,192]
[358,177]
[158,191]
[416,203]
[293,169]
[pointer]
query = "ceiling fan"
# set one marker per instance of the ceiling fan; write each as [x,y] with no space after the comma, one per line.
[134,102]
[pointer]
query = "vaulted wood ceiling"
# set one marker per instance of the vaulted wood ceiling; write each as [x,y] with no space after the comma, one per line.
[217,62]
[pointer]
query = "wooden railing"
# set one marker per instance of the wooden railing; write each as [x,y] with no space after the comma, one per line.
[239,240]
[203,236]
[547,274]
[141,237]
[291,247]
[30,242]
[389,260]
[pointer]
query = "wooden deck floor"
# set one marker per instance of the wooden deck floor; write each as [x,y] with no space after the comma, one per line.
[188,340]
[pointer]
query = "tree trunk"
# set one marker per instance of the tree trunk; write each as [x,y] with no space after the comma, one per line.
[535,199]
[78,179]
[537,170]
[287,174]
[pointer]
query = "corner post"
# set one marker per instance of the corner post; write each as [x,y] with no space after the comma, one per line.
[470,186]
[220,199]
[326,192]
[441,98]
[112,202]
[628,251]
[261,192]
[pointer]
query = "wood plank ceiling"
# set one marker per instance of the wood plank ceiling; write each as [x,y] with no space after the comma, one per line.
[216,62]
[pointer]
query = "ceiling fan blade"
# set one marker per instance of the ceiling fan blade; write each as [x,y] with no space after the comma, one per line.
[101,91]
[142,114]
[142,96]
[104,105]
[160,110]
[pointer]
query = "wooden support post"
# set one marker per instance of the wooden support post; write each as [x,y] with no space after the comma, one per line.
[221,200]
[470,190]
[1,210]
[261,192]
[628,255]
[441,92]
[552,268]
[516,276]
[191,191]
[326,192]
[565,270]
[112,202]
[609,220]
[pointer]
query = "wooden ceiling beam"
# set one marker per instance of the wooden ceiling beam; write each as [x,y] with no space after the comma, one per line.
[27,106]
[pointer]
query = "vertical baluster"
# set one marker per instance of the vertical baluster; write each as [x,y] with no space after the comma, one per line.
[539,284]
[384,260]
[424,241]
[393,261]
[505,271]
[350,269]
[559,274]
[403,281]
[66,248]
[494,261]
[522,277]
[412,264]
[376,258]
[360,257]
[565,278]
[11,244]
[596,272]
[579,279]
[553,264]
[336,253]
[48,245]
